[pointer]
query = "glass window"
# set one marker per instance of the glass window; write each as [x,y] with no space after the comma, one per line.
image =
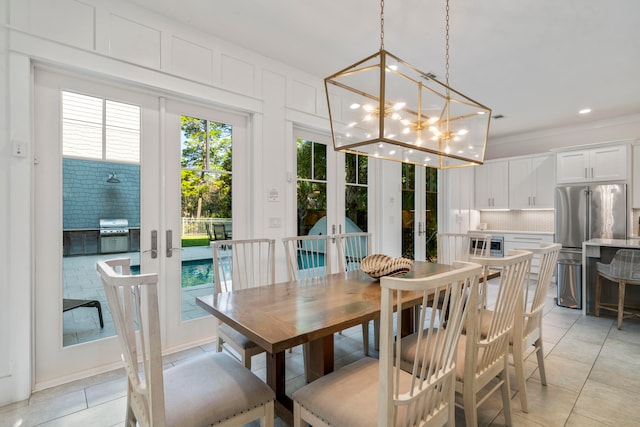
[97,128]
[356,192]
[312,185]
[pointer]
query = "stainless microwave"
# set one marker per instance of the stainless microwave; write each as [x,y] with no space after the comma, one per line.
[496,245]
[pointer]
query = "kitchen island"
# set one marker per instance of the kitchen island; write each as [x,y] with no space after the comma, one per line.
[603,250]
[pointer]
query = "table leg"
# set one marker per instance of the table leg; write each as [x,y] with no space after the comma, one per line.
[318,358]
[276,380]
[408,321]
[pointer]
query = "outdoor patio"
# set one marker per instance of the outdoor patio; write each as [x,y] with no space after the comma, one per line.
[83,282]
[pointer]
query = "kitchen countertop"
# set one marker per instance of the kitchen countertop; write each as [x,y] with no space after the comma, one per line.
[546,233]
[616,243]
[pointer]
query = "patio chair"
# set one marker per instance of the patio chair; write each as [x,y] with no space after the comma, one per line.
[206,390]
[241,264]
[70,304]
[369,392]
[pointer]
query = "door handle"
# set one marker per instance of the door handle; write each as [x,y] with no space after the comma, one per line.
[170,247]
[154,245]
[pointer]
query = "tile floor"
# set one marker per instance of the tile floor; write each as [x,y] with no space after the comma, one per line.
[593,372]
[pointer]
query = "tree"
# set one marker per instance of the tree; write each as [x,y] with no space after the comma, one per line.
[206,168]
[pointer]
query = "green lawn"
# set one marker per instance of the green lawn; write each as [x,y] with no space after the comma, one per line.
[190,241]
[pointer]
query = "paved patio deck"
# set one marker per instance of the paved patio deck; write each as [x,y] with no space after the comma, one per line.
[81,281]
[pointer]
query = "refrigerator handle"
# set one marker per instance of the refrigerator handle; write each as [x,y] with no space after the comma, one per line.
[587,222]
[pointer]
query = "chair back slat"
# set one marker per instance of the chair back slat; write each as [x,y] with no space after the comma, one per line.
[133,300]
[308,257]
[352,248]
[531,309]
[457,246]
[494,341]
[240,264]
[428,393]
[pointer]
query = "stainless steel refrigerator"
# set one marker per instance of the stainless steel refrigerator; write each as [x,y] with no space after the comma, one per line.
[585,212]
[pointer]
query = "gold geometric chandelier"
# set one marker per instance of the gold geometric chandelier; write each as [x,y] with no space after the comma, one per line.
[383,107]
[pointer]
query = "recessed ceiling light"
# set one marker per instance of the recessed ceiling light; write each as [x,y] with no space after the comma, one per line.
[585,111]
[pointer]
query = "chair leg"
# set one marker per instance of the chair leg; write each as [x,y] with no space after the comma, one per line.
[97,305]
[297,421]
[598,291]
[540,355]
[520,379]
[506,398]
[621,289]
[219,343]
[470,408]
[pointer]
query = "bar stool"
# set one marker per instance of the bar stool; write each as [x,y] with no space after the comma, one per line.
[624,270]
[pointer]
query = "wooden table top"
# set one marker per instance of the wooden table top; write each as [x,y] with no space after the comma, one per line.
[281,316]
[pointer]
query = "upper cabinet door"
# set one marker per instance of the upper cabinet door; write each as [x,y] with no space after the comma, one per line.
[544,181]
[607,163]
[521,183]
[492,189]
[572,166]
[531,182]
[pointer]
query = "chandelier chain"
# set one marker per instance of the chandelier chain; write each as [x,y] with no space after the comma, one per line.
[381,24]
[447,46]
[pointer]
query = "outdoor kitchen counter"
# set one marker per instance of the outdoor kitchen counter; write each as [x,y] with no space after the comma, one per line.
[603,250]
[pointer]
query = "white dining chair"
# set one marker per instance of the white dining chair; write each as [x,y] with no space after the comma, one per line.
[527,330]
[211,389]
[372,392]
[352,249]
[241,264]
[486,341]
[308,257]
[483,356]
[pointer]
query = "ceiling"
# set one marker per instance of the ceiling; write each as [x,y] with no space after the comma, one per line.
[537,62]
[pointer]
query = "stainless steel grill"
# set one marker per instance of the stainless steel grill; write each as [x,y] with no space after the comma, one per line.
[114,235]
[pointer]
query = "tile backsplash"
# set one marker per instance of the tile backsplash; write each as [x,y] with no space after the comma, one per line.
[541,221]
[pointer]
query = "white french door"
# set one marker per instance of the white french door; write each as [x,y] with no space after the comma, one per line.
[419,212]
[205,164]
[72,193]
[137,136]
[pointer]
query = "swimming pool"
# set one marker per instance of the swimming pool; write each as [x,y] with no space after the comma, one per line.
[195,272]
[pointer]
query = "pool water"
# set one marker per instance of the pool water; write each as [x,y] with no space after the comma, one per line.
[194,272]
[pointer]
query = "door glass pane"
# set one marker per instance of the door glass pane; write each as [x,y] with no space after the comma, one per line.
[312,187]
[356,192]
[408,210]
[431,227]
[101,181]
[206,183]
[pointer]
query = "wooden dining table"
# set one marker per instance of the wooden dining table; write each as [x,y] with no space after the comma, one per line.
[309,311]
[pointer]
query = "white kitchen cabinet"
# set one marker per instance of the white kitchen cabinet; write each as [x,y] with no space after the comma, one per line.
[492,189]
[461,183]
[606,163]
[524,241]
[531,182]
[636,177]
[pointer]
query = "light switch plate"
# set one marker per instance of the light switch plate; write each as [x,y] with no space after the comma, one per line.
[19,148]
